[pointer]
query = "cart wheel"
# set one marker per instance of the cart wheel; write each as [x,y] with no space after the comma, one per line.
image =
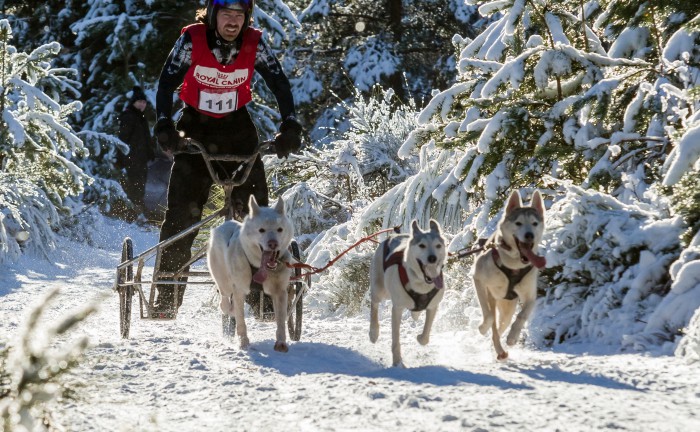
[126,292]
[296,289]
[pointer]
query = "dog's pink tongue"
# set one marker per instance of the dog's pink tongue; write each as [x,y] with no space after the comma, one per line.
[536,260]
[438,281]
[261,274]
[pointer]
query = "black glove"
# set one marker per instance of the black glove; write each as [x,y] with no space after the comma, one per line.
[289,139]
[168,137]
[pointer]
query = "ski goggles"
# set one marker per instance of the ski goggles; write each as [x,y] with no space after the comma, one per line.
[226,4]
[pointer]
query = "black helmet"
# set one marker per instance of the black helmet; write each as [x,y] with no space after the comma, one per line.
[213,7]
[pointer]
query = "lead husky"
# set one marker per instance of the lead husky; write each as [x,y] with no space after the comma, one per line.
[508,270]
[253,250]
[407,269]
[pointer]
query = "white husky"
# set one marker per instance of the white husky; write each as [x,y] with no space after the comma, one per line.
[256,249]
[508,270]
[408,270]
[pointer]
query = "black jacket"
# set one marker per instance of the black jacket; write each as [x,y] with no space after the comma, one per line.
[134,131]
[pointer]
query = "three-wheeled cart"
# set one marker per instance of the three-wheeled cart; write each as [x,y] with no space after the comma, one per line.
[130,277]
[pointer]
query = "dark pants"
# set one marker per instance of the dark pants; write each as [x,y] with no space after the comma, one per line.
[134,184]
[190,183]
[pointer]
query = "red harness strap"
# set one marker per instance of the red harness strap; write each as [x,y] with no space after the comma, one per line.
[421,301]
[395,259]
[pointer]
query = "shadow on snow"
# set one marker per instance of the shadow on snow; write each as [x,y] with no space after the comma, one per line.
[319,358]
[553,373]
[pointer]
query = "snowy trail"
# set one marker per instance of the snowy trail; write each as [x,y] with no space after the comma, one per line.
[184,376]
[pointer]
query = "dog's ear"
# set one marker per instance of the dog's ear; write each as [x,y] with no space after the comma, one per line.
[253,207]
[415,229]
[514,202]
[279,207]
[435,226]
[537,203]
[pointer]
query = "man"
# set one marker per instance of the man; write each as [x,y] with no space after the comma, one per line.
[214,60]
[134,131]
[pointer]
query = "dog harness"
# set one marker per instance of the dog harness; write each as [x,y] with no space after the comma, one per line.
[421,300]
[514,275]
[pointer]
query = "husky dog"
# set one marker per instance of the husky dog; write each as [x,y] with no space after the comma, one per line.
[507,271]
[254,250]
[407,268]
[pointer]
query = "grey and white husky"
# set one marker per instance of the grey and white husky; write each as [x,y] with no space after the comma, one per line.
[506,272]
[256,249]
[407,268]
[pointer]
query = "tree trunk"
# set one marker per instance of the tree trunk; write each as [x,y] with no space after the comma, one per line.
[395,8]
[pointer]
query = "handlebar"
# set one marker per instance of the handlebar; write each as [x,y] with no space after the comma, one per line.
[192,146]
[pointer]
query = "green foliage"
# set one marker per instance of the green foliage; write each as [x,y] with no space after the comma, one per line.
[35,133]
[134,40]
[345,46]
[350,286]
[323,186]
[685,201]
[541,101]
[40,22]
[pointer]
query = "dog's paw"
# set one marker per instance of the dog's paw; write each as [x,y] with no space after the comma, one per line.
[281,347]
[373,334]
[244,342]
[512,338]
[423,339]
[399,365]
[502,356]
[484,328]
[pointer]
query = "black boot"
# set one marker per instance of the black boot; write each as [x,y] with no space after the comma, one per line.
[180,295]
[165,301]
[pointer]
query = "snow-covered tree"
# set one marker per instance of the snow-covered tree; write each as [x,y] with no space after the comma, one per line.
[134,40]
[45,166]
[551,95]
[608,264]
[538,94]
[40,22]
[37,144]
[330,184]
[347,45]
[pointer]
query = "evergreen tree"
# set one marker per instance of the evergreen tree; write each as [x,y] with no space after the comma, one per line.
[40,22]
[122,44]
[540,97]
[327,185]
[345,45]
[38,146]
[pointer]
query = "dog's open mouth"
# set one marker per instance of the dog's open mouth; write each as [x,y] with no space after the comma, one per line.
[437,280]
[268,262]
[528,256]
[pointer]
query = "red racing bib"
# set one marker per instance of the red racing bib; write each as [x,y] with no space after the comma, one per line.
[215,89]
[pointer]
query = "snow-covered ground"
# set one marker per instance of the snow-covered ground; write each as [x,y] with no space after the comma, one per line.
[183,375]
